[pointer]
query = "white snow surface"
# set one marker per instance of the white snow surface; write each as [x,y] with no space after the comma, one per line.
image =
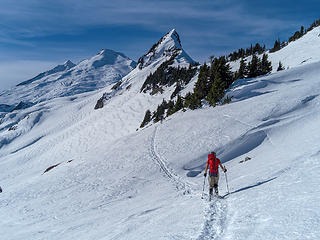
[114,182]
[303,51]
[69,79]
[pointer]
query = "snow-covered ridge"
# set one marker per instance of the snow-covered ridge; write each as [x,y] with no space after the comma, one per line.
[106,68]
[302,51]
[106,57]
[60,68]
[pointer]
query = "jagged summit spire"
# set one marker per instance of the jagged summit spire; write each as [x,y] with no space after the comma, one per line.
[167,47]
[174,36]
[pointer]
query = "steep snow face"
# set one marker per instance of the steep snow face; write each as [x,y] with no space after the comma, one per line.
[303,51]
[168,46]
[68,79]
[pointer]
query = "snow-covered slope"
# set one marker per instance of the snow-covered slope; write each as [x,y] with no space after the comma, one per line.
[113,182]
[69,79]
[303,51]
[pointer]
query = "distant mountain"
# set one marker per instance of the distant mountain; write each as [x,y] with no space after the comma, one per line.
[107,67]
[60,68]
[156,70]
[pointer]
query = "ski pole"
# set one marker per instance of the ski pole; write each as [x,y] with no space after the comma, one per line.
[204,182]
[227,183]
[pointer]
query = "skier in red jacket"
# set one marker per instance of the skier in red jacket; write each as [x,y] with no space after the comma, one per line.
[213,178]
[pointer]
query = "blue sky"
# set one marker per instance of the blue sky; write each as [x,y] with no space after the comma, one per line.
[35,35]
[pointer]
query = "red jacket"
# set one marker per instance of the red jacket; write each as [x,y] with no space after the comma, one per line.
[213,163]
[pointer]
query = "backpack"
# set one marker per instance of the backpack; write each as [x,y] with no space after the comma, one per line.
[213,165]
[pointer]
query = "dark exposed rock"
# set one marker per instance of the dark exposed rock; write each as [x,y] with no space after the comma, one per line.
[116,86]
[99,103]
[128,87]
[14,127]
[50,168]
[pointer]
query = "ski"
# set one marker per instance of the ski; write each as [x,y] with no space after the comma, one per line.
[210,197]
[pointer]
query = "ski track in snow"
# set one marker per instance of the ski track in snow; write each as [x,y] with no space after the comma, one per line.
[215,212]
[180,185]
[215,220]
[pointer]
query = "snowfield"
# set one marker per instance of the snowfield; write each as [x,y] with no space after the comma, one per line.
[112,181]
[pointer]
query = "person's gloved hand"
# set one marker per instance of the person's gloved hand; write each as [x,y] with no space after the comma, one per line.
[225,170]
[205,174]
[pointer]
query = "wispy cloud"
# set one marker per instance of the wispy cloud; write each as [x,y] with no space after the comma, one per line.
[52,30]
[37,18]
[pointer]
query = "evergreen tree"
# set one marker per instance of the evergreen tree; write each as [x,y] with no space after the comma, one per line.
[179,104]
[170,108]
[313,25]
[280,67]
[242,72]
[147,119]
[191,101]
[220,66]
[201,86]
[217,90]
[276,46]
[302,32]
[167,75]
[158,115]
[297,34]
[253,67]
[266,66]
[164,104]
[176,90]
